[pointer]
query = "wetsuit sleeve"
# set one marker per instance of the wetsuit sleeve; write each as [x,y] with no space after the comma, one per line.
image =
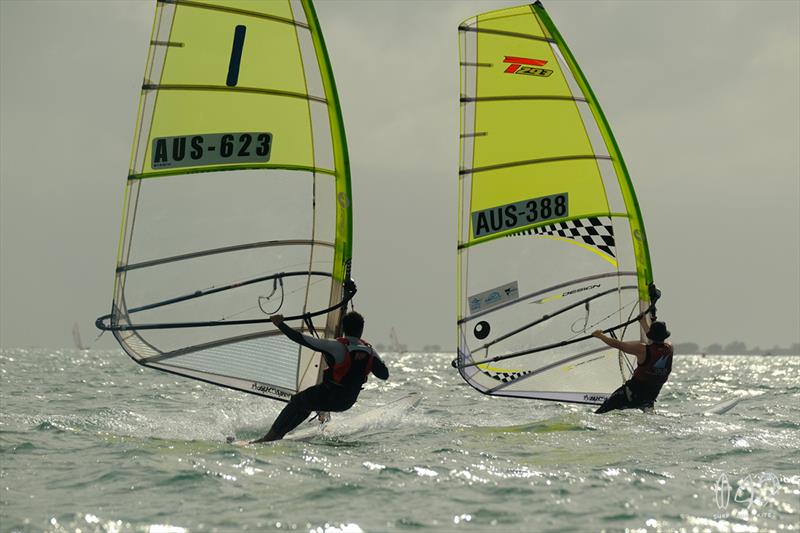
[332,351]
[379,368]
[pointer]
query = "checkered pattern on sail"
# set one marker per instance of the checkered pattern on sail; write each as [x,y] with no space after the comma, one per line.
[594,231]
[505,377]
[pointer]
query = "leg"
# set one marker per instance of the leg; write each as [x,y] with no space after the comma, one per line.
[618,400]
[298,409]
[291,417]
[643,397]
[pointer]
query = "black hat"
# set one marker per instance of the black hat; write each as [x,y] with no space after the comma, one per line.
[658,331]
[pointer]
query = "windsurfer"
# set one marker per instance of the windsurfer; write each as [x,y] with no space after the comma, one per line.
[350,361]
[654,363]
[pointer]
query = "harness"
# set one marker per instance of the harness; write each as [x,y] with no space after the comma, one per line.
[340,372]
[657,365]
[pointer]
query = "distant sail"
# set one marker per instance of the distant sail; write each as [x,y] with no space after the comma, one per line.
[394,343]
[237,203]
[76,337]
[551,241]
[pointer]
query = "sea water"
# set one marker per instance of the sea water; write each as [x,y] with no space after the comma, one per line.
[89,441]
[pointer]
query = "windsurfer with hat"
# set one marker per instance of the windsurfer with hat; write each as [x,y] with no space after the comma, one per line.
[654,363]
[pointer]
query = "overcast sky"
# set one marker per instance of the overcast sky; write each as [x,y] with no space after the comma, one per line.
[703,97]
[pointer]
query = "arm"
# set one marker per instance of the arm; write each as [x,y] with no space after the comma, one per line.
[631,347]
[332,351]
[644,323]
[379,368]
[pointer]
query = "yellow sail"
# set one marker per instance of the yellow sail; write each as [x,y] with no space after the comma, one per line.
[551,242]
[237,202]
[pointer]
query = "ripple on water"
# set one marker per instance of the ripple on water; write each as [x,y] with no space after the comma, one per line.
[461,461]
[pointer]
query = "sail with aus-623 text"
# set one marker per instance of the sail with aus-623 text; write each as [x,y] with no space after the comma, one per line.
[551,242]
[237,203]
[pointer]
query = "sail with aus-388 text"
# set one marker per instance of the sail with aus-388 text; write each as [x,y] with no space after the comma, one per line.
[551,240]
[237,203]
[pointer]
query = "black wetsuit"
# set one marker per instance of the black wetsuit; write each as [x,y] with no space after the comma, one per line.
[348,369]
[641,391]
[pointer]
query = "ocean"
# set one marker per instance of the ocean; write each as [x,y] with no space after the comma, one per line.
[89,441]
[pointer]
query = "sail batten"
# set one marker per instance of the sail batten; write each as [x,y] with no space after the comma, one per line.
[511,98]
[509,164]
[296,168]
[226,249]
[505,33]
[551,243]
[237,89]
[227,9]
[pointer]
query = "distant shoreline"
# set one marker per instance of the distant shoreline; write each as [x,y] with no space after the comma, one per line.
[733,348]
[737,354]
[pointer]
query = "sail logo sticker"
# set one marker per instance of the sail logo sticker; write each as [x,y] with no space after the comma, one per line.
[524,65]
[266,389]
[493,297]
[510,216]
[594,398]
[211,149]
[568,293]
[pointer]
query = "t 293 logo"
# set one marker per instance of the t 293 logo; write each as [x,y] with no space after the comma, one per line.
[525,65]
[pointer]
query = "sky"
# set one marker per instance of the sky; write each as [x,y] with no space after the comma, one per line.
[703,98]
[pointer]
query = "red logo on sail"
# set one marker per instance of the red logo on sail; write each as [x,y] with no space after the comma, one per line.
[525,65]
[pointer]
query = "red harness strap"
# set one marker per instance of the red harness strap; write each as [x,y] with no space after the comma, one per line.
[657,365]
[340,370]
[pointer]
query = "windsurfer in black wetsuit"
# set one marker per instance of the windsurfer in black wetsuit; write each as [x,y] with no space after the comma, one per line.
[350,361]
[654,363]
